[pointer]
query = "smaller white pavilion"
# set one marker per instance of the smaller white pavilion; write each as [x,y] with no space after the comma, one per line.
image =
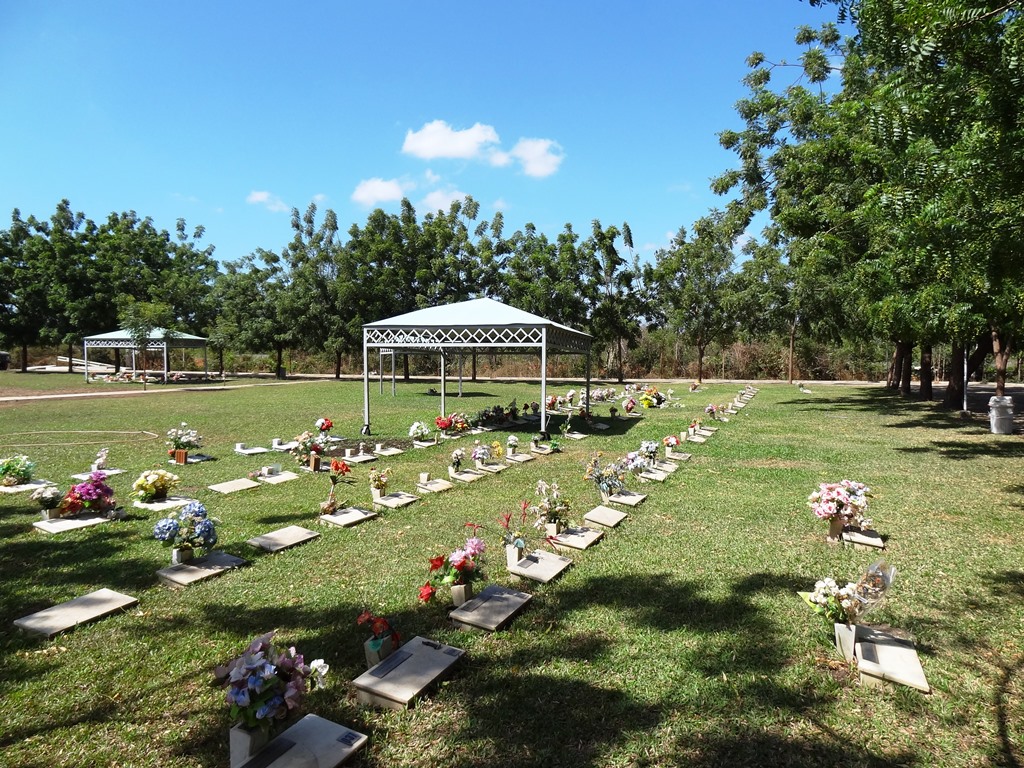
[471,326]
[159,338]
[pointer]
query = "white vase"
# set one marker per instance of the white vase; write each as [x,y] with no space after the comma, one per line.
[378,649]
[244,742]
[375,493]
[181,555]
[461,593]
[513,555]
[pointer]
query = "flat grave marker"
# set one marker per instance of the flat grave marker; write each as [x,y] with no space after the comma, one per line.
[863,540]
[348,517]
[277,445]
[359,458]
[65,524]
[407,673]
[465,475]
[519,458]
[577,538]
[881,656]
[576,435]
[81,610]
[396,500]
[279,477]
[541,450]
[677,455]
[628,498]
[283,538]
[199,569]
[380,450]
[241,450]
[696,438]
[313,741]
[434,485]
[233,486]
[665,466]
[193,458]
[653,475]
[606,516]
[163,505]
[491,610]
[83,476]
[491,468]
[540,566]
[30,486]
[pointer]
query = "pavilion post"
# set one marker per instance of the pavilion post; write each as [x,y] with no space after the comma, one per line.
[85,357]
[543,380]
[393,390]
[588,382]
[366,389]
[443,359]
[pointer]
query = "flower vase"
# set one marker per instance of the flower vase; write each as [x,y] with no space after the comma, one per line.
[605,497]
[461,593]
[377,649]
[314,462]
[451,472]
[181,456]
[159,495]
[49,514]
[244,742]
[376,493]
[553,529]
[513,555]
[181,555]
[835,529]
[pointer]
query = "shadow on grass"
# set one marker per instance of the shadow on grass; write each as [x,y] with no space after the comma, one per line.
[993,449]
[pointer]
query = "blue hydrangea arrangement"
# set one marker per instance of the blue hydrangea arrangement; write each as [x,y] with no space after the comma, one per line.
[188,528]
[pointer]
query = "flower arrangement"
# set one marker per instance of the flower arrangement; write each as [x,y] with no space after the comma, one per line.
[339,470]
[154,484]
[47,496]
[634,462]
[711,410]
[16,470]
[671,441]
[323,425]
[552,508]
[514,537]
[647,401]
[444,423]
[458,455]
[847,499]
[569,396]
[496,450]
[481,452]
[648,449]
[187,528]
[266,682]
[463,566]
[513,410]
[512,443]
[609,478]
[535,407]
[629,405]
[93,494]
[852,602]
[308,444]
[379,478]
[101,459]
[183,438]
[419,431]
[380,628]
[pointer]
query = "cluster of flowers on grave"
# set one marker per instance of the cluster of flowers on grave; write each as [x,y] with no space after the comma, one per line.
[634,462]
[513,443]
[462,566]
[16,470]
[419,431]
[514,535]
[851,602]
[380,629]
[535,408]
[457,457]
[648,450]
[496,414]
[323,425]
[602,395]
[154,484]
[379,478]
[629,404]
[92,494]
[481,452]
[183,439]
[339,471]
[453,422]
[268,682]
[651,397]
[609,477]
[552,508]
[671,441]
[694,426]
[308,444]
[190,527]
[711,410]
[47,496]
[847,499]
[554,402]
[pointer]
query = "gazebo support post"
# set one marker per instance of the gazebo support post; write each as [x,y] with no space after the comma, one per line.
[460,374]
[393,387]
[444,358]
[85,358]
[366,390]
[588,384]
[544,381]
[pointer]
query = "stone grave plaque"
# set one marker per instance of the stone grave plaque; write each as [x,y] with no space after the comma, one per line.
[738,405]
[881,656]
[519,458]
[404,675]
[678,456]
[540,566]
[193,458]
[863,539]
[696,438]
[162,505]
[653,475]
[601,425]
[359,458]
[277,445]
[492,609]
[665,466]
[232,486]
[577,538]
[437,485]
[313,741]
[60,618]
[396,500]
[541,450]
[629,498]
[31,486]
[712,430]
[199,569]
[491,468]
[83,476]
[605,516]
[65,524]
[733,411]
[466,475]
[283,538]
[705,432]
[423,444]
[382,451]
[241,450]
[576,435]
[280,477]
[450,437]
[348,517]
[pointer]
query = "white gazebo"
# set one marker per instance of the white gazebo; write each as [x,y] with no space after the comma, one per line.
[159,338]
[469,326]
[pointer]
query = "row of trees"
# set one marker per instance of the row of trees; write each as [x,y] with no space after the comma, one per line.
[891,169]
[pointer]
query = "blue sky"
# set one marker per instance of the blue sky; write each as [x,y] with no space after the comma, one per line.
[230,114]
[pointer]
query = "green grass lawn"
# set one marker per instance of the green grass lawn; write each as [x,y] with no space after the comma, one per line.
[677,640]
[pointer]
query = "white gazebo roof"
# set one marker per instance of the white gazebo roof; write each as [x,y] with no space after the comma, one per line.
[157,337]
[476,323]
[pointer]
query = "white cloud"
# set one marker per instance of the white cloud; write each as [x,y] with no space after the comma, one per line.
[370,192]
[499,159]
[267,200]
[438,139]
[499,204]
[319,197]
[431,177]
[539,157]
[441,200]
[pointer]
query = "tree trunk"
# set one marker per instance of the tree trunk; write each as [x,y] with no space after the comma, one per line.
[955,388]
[1001,347]
[220,361]
[337,364]
[700,363]
[892,379]
[792,349]
[927,374]
[24,357]
[117,359]
[71,354]
[279,373]
[977,358]
[908,368]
